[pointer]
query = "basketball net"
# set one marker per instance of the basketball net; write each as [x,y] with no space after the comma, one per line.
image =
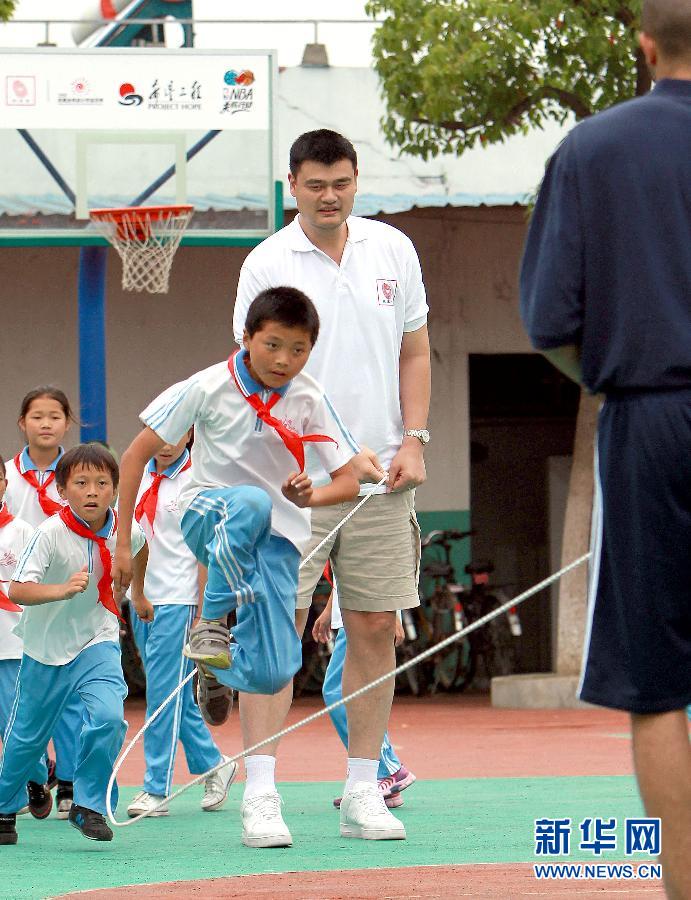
[146,238]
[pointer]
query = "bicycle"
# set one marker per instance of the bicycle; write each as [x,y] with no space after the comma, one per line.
[493,647]
[438,616]
[485,653]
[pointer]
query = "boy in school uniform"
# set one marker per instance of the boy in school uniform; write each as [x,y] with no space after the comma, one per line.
[246,511]
[71,641]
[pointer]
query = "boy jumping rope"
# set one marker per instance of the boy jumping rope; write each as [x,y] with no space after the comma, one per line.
[245,512]
[71,642]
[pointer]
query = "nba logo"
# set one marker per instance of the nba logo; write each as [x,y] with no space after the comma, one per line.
[386,291]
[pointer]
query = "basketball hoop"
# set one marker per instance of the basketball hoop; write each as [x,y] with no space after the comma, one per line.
[146,238]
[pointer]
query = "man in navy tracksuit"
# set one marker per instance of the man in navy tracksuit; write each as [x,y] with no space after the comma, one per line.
[606,295]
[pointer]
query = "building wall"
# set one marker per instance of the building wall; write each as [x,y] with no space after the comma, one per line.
[470,260]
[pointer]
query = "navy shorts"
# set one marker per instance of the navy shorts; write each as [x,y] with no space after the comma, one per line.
[637,653]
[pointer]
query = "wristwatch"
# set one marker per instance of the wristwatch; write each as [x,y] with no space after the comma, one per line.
[420,433]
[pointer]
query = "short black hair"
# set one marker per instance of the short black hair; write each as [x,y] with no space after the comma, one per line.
[322,146]
[90,456]
[669,23]
[3,470]
[286,305]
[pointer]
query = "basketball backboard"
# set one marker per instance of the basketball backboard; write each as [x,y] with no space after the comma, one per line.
[102,127]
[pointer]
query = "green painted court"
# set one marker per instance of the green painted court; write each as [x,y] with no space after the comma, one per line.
[484,776]
[450,822]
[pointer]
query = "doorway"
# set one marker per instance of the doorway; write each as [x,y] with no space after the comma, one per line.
[522,415]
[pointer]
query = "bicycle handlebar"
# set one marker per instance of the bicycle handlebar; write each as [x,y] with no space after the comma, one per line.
[443,537]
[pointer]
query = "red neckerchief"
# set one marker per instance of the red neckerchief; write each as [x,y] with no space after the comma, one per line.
[5,603]
[48,506]
[5,515]
[294,442]
[327,573]
[105,584]
[149,499]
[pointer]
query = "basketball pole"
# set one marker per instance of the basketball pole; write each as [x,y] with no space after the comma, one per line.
[92,343]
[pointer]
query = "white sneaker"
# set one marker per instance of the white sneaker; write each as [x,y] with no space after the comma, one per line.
[216,787]
[364,815]
[262,822]
[143,802]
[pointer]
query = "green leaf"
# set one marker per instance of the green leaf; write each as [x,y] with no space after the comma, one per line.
[455,72]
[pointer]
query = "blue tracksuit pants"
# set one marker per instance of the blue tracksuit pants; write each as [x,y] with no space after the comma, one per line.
[160,645]
[254,572]
[65,735]
[332,691]
[9,670]
[42,693]
[66,738]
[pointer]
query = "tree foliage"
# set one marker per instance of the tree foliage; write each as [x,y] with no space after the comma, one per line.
[457,71]
[7,9]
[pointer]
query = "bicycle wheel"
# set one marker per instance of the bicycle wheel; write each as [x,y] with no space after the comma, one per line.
[413,680]
[500,650]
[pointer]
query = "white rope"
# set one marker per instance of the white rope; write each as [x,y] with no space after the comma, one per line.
[478,623]
[155,715]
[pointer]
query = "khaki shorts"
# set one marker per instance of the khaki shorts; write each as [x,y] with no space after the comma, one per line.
[375,555]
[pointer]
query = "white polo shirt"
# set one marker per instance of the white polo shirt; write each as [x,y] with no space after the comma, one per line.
[13,538]
[171,572]
[232,446]
[56,633]
[20,496]
[365,305]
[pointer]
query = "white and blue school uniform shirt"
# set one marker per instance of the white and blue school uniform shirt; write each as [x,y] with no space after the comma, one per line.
[13,538]
[233,447]
[56,633]
[21,498]
[171,572]
[365,306]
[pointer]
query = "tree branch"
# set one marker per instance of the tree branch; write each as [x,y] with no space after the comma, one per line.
[518,110]
[622,13]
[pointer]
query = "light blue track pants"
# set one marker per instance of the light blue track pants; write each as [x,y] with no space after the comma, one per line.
[66,738]
[42,693]
[160,645]
[332,691]
[9,670]
[253,571]
[67,728]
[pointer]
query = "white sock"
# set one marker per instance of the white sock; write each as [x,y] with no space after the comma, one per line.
[361,770]
[261,772]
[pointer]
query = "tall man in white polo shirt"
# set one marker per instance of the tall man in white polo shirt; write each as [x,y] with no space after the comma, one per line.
[373,357]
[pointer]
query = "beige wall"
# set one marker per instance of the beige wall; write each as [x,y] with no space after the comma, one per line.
[470,260]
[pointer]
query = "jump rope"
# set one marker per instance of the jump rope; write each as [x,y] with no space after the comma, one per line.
[478,623]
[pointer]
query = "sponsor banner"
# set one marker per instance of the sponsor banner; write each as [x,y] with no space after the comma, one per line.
[135,90]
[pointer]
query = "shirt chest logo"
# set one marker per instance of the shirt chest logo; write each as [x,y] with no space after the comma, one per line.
[8,559]
[386,291]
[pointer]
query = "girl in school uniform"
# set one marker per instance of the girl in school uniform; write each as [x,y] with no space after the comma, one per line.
[32,495]
[161,619]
